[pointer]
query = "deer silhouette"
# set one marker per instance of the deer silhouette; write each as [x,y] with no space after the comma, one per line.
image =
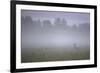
[75,46]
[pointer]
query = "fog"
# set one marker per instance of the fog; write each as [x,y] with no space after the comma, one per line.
[50,32]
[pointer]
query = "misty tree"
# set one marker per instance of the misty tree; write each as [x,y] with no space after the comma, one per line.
[37,24]
[64,22]
[57,22]
[26,23]
[23,24]
[84,26]
[74,27]
[22,20]
[84,29]
[28,19]
[26,28]
[47,24]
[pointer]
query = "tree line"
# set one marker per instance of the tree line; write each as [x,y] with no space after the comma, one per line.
[58,24]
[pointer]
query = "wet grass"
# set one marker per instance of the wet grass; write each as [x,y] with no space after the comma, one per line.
[48,54]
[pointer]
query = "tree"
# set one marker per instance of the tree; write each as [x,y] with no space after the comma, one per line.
[28,19]
[47,24]
[84,27]
[74,26]
[22,20]
[57,21]
[64,23]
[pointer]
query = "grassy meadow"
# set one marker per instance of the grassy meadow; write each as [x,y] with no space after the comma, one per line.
[54,54]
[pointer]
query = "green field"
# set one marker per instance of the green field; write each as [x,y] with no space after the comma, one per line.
[54,54]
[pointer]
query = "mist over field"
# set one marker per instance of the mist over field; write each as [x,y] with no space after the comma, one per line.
[54,36]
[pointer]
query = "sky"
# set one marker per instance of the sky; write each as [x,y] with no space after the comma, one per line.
[71,17]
